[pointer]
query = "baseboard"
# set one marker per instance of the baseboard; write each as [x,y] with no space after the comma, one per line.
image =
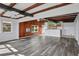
[3,42]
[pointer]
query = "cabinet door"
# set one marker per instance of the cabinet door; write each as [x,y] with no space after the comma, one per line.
[21,29]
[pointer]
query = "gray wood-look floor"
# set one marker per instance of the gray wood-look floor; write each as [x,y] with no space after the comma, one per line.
[43,46]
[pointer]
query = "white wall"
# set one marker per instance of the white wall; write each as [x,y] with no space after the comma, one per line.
[68,29]
[54,33]
[77,28]
[5,36]
[50,32]
[0,26]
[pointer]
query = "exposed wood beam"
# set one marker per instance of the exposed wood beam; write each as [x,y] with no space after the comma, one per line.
[53,7]
[11,5]
[33,6]
[14,9]
[12,17]
[71,14]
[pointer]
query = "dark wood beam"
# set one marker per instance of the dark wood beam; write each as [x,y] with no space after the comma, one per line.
[12,17]
[53,7]
[14,9]
[65,15]
[11,5]
[33,6]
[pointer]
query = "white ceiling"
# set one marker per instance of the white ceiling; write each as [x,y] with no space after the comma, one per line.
[13,14]
[72,8]
[22,6]
[53,12]
[42,7]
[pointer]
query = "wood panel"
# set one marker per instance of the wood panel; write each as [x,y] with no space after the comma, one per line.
[21,29]
[28,24]
[65,18]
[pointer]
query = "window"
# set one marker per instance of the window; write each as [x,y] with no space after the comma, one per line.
[55,25]
[34,28]
[6,27]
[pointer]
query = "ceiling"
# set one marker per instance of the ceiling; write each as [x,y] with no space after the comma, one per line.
[28,8]
[21,10]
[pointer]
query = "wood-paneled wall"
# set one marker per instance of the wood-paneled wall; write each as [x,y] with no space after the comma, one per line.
[28,24]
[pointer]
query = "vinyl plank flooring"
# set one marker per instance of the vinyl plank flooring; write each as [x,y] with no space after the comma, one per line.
[43,46]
